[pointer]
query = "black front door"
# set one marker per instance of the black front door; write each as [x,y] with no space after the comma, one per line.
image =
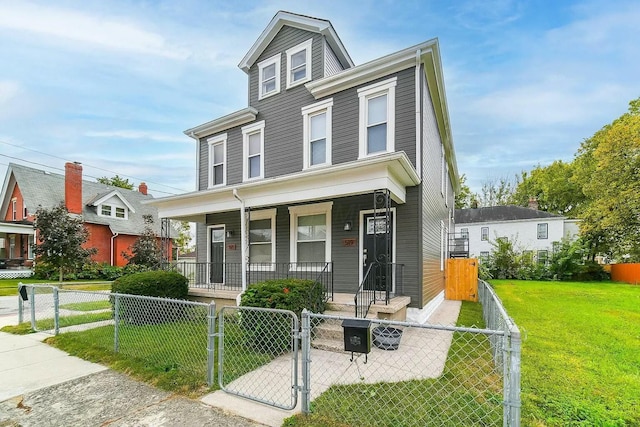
[216,255]
[377,248]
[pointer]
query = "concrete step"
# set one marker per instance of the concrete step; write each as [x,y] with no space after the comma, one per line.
[329,345]
[328,331]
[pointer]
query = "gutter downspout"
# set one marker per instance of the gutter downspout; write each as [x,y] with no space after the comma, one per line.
[112,242]
[243,240]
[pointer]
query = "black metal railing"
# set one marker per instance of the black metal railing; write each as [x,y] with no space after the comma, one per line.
[458,245]
[377,285]
[228,276]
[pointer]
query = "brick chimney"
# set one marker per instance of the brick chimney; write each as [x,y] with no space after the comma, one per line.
[533,203]
[142,188]
[73,187]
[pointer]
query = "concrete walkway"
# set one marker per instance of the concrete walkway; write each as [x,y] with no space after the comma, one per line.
[422,354]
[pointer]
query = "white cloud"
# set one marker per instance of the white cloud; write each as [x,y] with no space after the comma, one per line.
[8,91]
[96,31]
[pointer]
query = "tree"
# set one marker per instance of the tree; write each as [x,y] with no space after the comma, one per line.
[183,241]
[60,237]
[610,173]
[145,250]
[116,181]
[495,192]
[553,187]
[463,198]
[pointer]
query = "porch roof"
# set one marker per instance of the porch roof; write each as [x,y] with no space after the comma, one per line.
[16,228]
[392,171]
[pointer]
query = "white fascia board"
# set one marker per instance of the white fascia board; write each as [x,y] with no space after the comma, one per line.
[223,123]
[367,72]
[296,21]
[17,228]
[392,170]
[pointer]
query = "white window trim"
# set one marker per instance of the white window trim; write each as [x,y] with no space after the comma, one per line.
[304,210]
[213,141]
[387,87]
[481,239]
[261,65]
[246,131]
[546,229]
[290,52]
[113,211]
[14,209]
[309,111]
[258,215]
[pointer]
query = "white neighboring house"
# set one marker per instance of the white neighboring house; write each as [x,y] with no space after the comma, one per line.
[532,230]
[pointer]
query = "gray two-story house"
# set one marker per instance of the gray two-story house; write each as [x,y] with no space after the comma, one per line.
[332,168]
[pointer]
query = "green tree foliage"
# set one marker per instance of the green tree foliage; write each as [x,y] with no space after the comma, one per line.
[553,187]
[116,181]
[183,241]
[496,192]
[60,237]
[145,250]
[463,198]
[609,170]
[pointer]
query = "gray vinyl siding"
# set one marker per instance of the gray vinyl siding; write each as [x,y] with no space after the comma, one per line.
[433,207]
[331,63]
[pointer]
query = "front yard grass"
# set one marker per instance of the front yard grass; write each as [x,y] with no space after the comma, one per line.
[9,287]
[580,353]
[48,324]
[468,393]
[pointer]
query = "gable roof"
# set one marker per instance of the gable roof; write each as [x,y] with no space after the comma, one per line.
[42,188]
[303,22]
[500,213]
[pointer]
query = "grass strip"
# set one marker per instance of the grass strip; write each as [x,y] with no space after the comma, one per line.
[48,324]
[87,305]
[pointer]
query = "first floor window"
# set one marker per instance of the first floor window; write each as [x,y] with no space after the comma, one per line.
[311,233]
[484,233]
[262,237]
[484,256]
[543,257]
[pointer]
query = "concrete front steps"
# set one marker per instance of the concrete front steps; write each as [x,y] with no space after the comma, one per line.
[329,335]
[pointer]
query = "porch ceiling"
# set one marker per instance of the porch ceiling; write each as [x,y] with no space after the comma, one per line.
[392,171]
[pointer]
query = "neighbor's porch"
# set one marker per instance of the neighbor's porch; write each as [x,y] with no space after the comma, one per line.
[16,250]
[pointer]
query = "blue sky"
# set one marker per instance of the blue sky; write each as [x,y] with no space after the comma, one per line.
[114,84]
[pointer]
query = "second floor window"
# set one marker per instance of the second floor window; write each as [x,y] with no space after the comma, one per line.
[253,137]
[543,231]
[484,233]
[299,64]
[317,133]
[120,212]
[269,76]
[105,210]
[377,118]
[217,157]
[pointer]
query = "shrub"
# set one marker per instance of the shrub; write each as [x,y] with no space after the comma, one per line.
[164,284]
[270,332]
[591,271]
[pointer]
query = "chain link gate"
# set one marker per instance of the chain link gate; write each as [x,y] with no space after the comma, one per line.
[38,304]
[258,355]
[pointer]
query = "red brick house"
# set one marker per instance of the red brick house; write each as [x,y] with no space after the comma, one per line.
[113,215]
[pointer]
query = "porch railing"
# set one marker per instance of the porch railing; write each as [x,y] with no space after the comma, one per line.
[377,285]
[228,276]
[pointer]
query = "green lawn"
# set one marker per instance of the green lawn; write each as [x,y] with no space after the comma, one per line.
[9,287]
[581,352]
[48,324]
[468,393]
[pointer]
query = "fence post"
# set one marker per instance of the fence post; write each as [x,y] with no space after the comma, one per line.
[116,324]
[33,308]
[20,304]
[56,311]
[211,342]
[514,379]
[306,361]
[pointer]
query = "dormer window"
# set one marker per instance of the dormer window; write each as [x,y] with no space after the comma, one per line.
[120,212]
[112,205]
[105,210]
[113,211]
[269,73]
[299,64]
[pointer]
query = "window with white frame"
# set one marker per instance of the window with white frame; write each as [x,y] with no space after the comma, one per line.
[317,133]
[543,257]
[14,209]
[113,211]
[120,212]
[484,234]
[543,230]
[484,256]
[30,247]
[299,64]
[464,233]
[377,117]
[311,234]
[105,210]
[217,160]
[262,239]
[269,76]
[253,151]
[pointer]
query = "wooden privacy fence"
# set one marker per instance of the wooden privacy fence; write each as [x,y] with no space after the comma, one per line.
[461,280]
[629,273]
